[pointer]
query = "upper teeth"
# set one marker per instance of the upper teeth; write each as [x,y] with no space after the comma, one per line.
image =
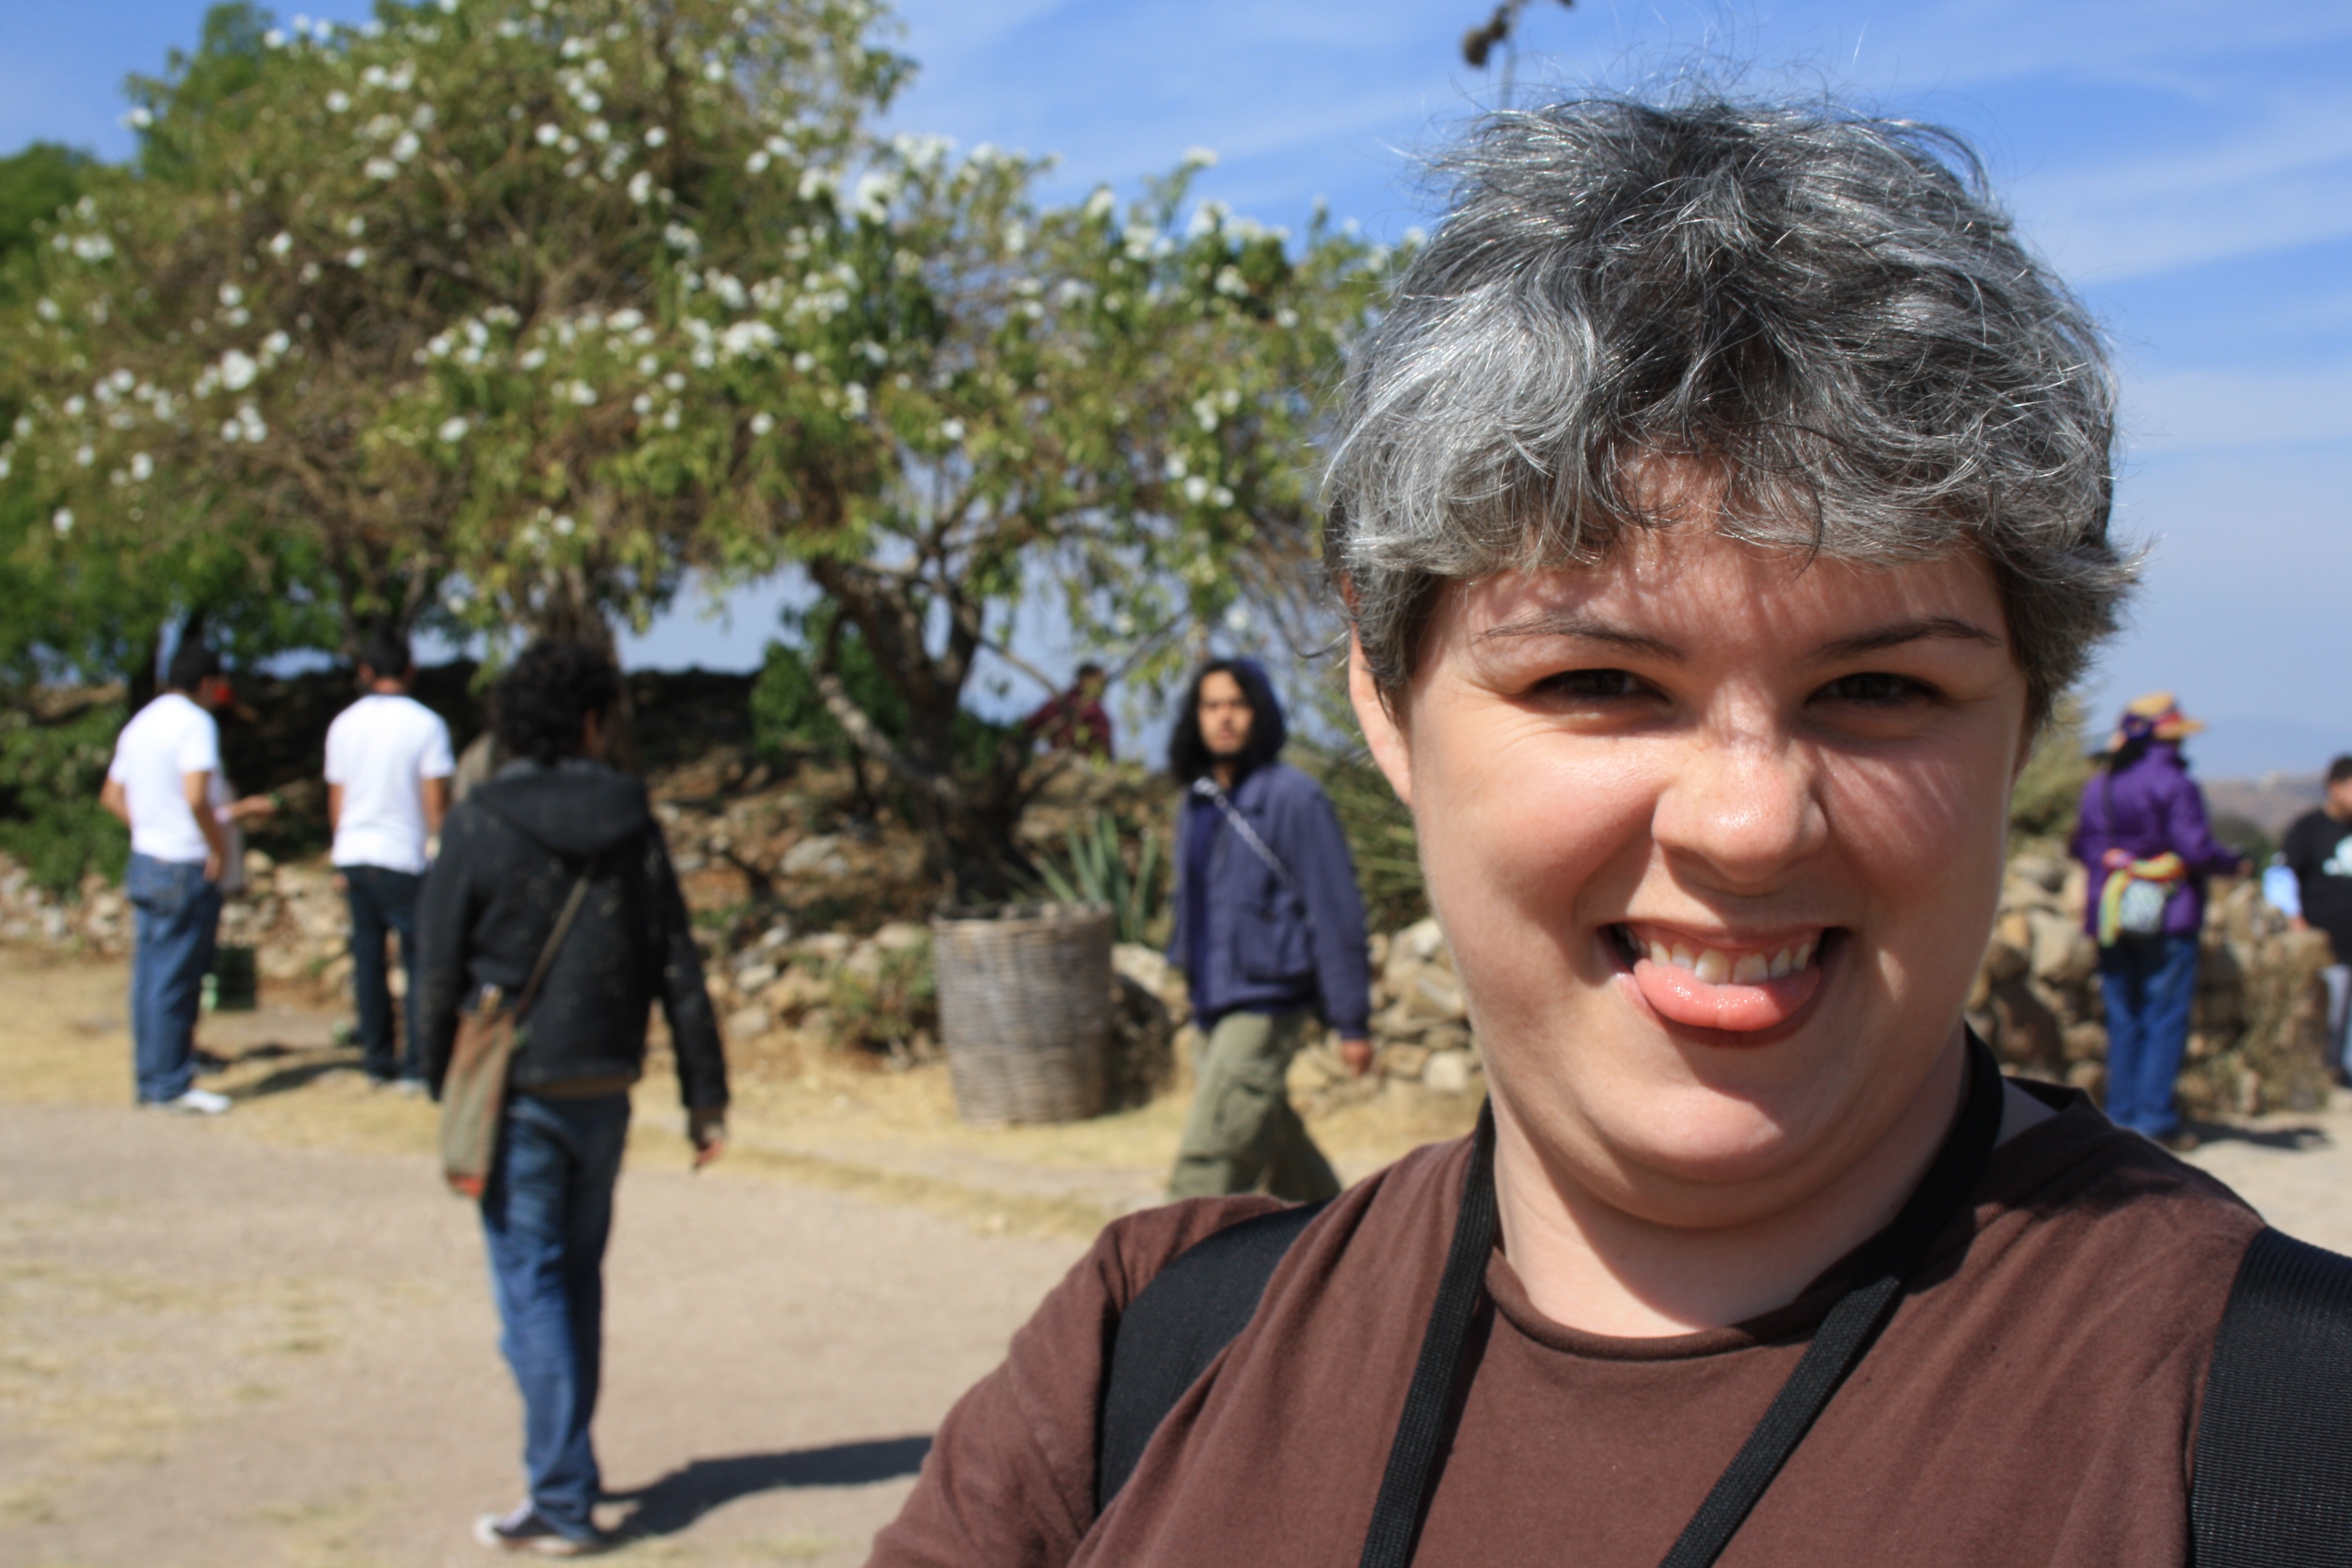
[1714,966]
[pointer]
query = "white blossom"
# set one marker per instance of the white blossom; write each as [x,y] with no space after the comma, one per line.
[84,456]
[237,370]
[407,146]
[1099,205]
[744,338]
[950,429]
[381,169]
[1196,489]
[805,362]
[642,404]
[757,162]
[279,243]
[46,308]
[1204,409]
[641,187]
[581,392]
[530,359]
[275,345]
[142,466]
[762,422]
[453,430]
[627,318]
[356,257]
[854,397]
[61,519]
[139,119]
[339,101]
[549,133]
[656,135]
[92,247]
[874,194]
[564,525]
[355,226]
[1199,158]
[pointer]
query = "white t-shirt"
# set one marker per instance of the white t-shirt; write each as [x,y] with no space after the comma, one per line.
[165,742]
[381,749]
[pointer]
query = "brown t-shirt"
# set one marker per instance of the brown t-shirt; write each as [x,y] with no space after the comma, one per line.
[2032,1400]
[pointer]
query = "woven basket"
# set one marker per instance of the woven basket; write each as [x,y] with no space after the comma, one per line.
[1025,1011]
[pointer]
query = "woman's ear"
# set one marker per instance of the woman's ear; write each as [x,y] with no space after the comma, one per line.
[1382,731]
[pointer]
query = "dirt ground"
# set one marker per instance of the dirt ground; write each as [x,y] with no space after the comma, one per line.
[266,1338]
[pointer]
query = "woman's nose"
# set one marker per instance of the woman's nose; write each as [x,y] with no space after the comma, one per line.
[1741,808]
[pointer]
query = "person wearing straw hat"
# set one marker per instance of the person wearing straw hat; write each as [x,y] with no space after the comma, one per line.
[2143,834]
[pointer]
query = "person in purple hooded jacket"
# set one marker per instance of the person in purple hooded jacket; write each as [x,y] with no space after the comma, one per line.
[2143,821]
[1269,933]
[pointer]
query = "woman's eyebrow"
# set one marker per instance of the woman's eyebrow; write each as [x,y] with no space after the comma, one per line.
[1900,632]
[1587,628]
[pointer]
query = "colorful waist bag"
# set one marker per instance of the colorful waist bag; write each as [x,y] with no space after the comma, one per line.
[2131,902]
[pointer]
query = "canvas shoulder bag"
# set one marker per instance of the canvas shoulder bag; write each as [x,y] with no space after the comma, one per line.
[474,1094]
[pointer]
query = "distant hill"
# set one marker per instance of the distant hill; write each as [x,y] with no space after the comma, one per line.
[2271,802]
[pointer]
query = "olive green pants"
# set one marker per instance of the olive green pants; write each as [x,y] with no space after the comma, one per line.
[1243,1135]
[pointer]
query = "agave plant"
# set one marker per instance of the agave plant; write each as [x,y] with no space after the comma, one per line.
[1093,871]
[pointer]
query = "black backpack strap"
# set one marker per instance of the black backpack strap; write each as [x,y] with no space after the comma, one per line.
[1174,1328]
[2274,1480]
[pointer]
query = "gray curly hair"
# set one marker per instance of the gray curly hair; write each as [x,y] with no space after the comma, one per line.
[1826,309]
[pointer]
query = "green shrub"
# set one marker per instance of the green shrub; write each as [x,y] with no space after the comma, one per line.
[2041,808]
[895,1007]
[50,774]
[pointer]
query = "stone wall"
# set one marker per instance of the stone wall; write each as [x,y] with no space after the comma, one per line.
[2256,1045]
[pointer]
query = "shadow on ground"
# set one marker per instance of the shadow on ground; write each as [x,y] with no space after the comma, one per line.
[284,1079]
[674,1501]
[2294,1140]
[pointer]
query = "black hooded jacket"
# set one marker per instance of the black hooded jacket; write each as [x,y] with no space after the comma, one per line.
[509,854]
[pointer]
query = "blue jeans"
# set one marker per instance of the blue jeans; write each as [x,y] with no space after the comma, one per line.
[546,1215]
[175,914]
[383,902]
[2149,982]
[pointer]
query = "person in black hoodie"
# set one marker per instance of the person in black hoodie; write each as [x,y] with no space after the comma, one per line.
[510,853]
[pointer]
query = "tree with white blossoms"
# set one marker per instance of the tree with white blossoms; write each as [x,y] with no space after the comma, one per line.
[429,293]
[526,307]
[1114,406]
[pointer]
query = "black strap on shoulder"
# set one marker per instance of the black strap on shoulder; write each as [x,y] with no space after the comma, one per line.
[1174,1328]
[2274,1479]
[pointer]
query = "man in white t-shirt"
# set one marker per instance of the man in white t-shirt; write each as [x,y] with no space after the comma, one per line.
[388,767]
[159,784]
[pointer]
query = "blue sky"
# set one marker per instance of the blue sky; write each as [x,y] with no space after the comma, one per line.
[2188,165]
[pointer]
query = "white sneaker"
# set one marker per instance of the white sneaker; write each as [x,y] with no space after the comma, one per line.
[196,1102]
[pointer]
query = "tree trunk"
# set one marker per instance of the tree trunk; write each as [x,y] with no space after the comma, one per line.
[968,816]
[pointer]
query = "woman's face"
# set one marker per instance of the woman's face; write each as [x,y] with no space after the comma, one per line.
[1716,834]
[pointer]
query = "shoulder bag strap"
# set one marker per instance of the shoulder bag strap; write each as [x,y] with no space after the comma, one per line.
[556,940]
[1176,1326]
[2273,1466]
[1205,785]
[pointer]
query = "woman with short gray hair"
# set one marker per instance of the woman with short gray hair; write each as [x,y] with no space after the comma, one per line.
[1719,508]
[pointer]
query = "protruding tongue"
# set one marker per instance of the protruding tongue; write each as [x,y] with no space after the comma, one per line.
[1682,997]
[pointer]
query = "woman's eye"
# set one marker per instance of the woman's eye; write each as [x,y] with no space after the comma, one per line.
[1874,690]
[1591,685]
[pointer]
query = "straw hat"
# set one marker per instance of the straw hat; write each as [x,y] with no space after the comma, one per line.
[2155,716]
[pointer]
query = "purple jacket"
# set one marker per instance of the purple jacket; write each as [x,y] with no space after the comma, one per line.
[2157,806]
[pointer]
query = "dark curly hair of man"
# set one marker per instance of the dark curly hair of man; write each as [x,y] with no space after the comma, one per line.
[537,707]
